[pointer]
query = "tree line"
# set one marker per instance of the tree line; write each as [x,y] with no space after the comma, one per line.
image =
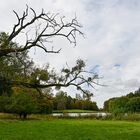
[31,102]
[125,104]
[63,101]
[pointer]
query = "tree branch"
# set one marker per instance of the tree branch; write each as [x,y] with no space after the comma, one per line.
[51,26]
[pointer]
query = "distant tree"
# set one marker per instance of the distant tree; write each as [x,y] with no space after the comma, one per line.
[87,95]
[133,105]
[106,104]
[61,100]
[128,103]
[78,96]
[78,104]
[69,102]
[130,95]
[137,93]
[117,106]
[94,106]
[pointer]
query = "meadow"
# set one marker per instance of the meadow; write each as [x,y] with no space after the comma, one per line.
[68,129]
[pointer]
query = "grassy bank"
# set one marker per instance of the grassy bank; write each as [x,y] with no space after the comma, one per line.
[74,111]
[64,129]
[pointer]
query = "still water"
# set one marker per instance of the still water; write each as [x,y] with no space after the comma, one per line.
[80,114]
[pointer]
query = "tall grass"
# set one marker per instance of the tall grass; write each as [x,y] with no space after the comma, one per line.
[128,117]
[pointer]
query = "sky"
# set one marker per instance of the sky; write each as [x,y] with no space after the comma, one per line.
[111,45]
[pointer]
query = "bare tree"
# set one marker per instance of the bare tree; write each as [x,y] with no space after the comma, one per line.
[47,26]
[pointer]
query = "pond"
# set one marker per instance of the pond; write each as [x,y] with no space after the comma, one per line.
[80,114]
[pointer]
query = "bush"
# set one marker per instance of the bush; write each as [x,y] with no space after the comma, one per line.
[5,101]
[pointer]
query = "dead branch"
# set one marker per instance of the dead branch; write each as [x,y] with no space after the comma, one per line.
[50,26]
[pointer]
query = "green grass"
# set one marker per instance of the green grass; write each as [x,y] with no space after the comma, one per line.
[69,129]
[74,111]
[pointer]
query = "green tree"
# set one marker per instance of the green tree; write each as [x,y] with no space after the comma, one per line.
[128,103]
[106,104]
[61,100]
[5,102]
[78,104]
[22,104]
[130,95]
[117,105]
[13,67]
[133,105]
[69,102]
[44,102]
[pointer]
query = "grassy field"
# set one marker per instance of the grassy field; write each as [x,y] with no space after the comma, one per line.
[74,111]
[69,129]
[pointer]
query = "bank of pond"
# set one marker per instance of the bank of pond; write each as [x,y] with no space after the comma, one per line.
[78,114]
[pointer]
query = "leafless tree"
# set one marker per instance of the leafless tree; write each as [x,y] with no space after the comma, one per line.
[46,27]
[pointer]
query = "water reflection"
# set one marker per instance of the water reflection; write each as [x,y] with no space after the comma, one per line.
[80,114]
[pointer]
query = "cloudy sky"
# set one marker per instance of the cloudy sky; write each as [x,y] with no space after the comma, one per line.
[111,45]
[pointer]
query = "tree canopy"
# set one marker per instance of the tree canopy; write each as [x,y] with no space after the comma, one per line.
[125,104]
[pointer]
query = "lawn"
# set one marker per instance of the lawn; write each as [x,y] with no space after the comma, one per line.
[68,129]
